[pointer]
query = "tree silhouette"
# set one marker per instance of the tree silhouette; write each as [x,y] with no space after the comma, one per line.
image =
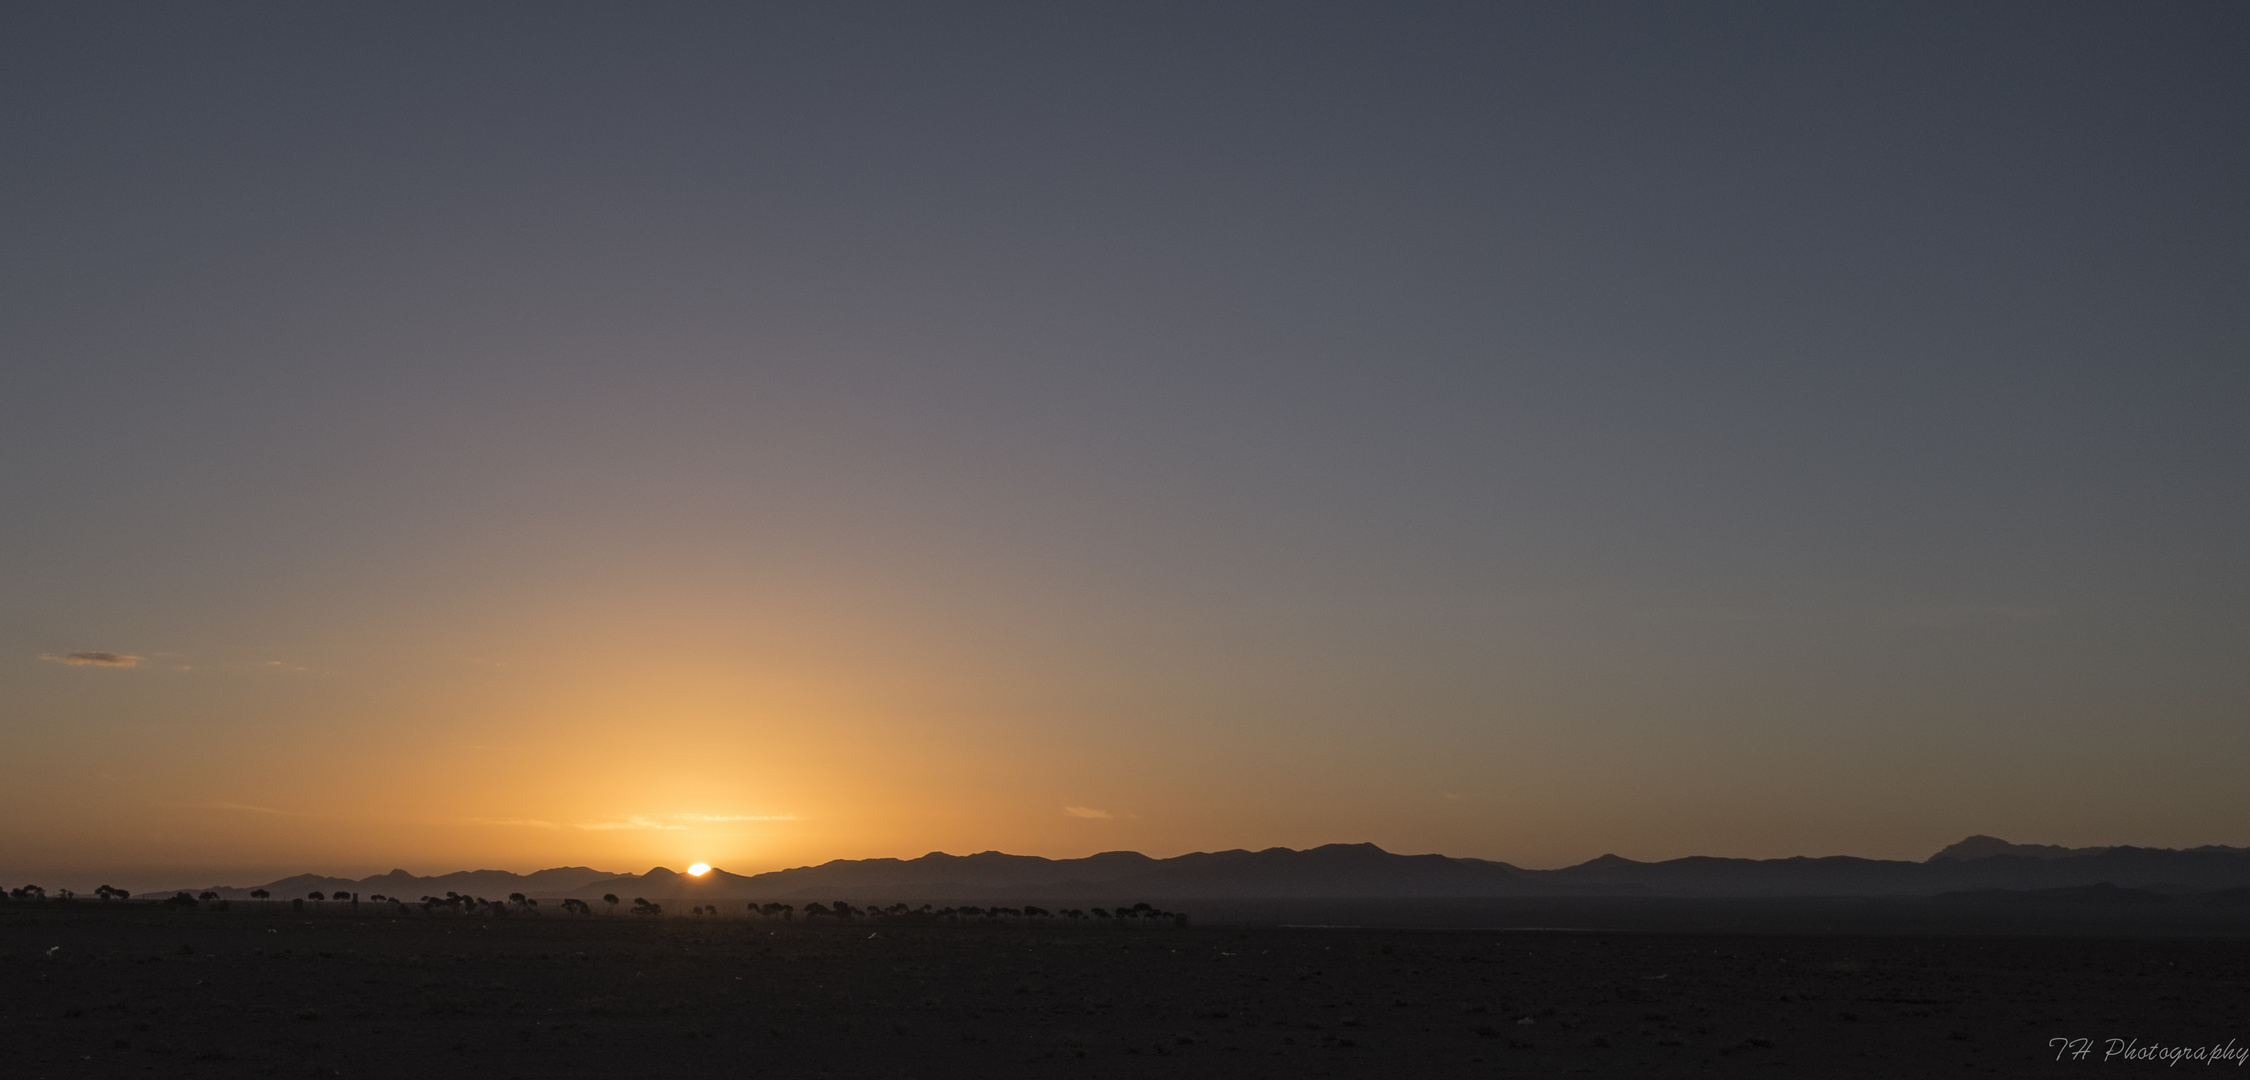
[643,907]
[611,900]
[259,894]
[105,893]
[315,896]
[207,896]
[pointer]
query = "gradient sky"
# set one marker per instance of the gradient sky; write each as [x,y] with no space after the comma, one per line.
[634,434]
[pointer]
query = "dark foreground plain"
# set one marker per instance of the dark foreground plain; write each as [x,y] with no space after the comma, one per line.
[146,991]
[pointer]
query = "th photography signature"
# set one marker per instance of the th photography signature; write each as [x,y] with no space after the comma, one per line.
[2083,1049]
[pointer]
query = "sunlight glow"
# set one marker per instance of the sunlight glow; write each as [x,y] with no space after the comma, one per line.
[699,869]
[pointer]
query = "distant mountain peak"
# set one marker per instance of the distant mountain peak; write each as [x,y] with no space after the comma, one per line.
[1609,860]
[1985,847]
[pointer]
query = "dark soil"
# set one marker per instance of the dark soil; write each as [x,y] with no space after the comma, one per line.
[87,991]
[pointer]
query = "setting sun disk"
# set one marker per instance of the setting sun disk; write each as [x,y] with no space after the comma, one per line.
[699,869]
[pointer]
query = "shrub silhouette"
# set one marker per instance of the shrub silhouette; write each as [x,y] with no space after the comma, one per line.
[207,896]
[643,907]
[315,897]
[181,900]
[259,894]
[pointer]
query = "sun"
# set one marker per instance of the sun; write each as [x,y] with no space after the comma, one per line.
[699,869]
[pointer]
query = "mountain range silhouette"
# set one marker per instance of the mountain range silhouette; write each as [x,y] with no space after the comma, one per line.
[1339,871]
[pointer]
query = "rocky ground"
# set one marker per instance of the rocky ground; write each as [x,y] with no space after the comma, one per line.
[92,991]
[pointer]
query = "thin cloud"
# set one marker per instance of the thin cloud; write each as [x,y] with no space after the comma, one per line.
[635,821]
[92,659]
[248,808]
[1088,812]
[527,823]
[736,817]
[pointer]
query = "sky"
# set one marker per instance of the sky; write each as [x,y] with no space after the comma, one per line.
[467,435]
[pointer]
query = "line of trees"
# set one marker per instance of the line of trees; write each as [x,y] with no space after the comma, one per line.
[1137,915]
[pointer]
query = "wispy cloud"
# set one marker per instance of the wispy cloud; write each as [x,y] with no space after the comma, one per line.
[92,659]
[634,821]
[1088,812]
[645,822]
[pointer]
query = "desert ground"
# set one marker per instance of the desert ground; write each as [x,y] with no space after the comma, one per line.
[91,991]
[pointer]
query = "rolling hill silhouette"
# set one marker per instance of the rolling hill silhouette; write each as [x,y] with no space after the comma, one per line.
[1342,871]
[1365,871]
